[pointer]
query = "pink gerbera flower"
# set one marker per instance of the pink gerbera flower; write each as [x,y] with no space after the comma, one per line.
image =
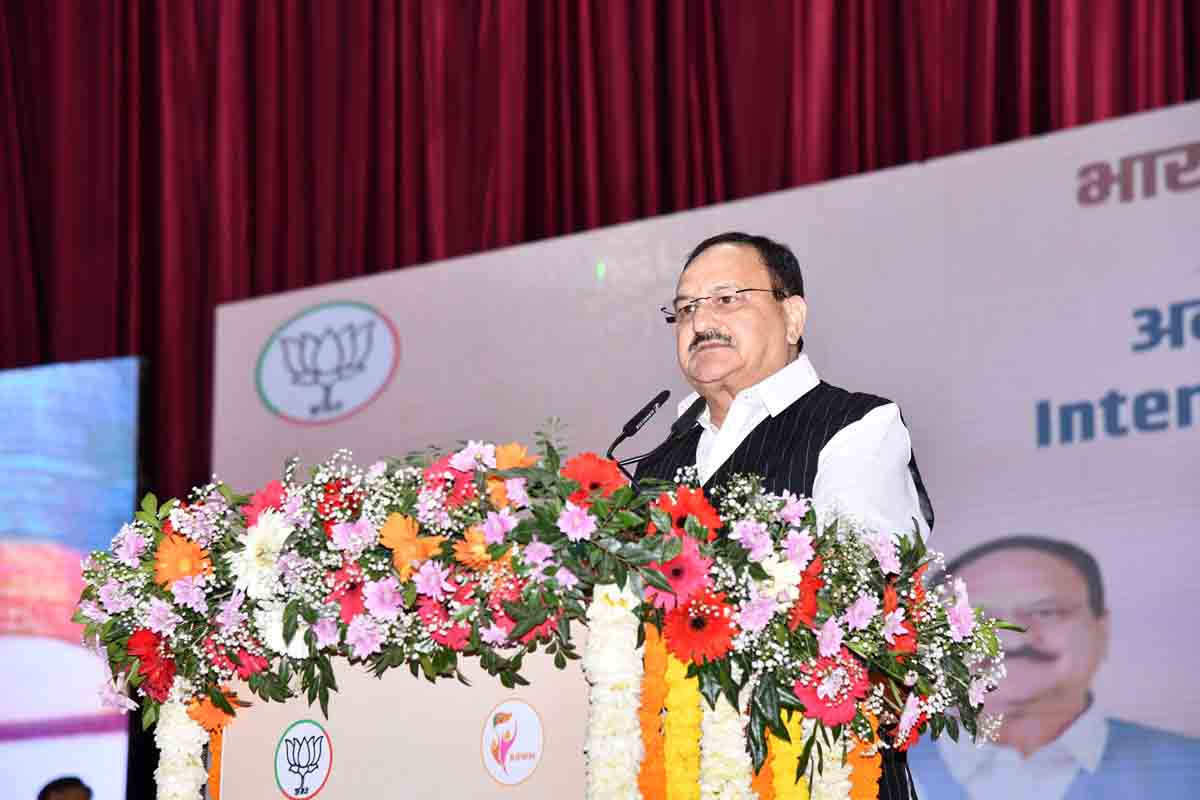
[687,573]
[830,688]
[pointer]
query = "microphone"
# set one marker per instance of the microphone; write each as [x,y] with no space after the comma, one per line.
[642,417]
[687,419]
[639,419]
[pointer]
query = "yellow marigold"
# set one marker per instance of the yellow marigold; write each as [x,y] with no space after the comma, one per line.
[399,534]
[179,557]
[681,732]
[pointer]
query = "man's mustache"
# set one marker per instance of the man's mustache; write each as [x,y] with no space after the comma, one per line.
[704,337]
[1032,653]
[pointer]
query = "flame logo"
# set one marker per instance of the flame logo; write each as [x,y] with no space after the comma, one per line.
[502,739]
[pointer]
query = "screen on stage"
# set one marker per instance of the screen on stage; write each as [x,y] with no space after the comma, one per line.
[68,474]
[1034,308]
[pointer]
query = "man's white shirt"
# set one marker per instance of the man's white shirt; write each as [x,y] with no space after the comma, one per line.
[993,772]
[862,471]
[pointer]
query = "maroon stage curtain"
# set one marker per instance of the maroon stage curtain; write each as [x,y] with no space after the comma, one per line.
[158,158]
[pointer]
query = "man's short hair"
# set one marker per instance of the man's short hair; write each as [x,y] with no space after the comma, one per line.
[778,258]
[1076,556]
[61,784]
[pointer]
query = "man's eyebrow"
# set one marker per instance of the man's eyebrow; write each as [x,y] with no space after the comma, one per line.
[714,288]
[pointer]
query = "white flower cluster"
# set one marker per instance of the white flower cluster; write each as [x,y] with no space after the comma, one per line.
[833,781]
[725,768]
[180,741]
[613,666]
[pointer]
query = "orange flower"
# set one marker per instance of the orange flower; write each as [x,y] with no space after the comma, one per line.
[399,534]
[866,765]
[687,502]
[508,456]
[472,552]
[653,775]
[208,716]
[179,557]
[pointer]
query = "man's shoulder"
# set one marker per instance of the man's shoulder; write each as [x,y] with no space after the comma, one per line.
[835,400]
[1127,737]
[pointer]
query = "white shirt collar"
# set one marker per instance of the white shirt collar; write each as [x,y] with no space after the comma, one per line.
[1083,740]
[774,393]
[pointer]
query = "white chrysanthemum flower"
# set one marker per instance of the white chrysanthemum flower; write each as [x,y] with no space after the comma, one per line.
[180,741]
[613,666]
[725,768]
[269,619]
[784,583]
[255,565]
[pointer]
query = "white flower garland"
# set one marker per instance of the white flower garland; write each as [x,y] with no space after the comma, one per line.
[613,665]
[833,782]
[181,773]
[725,768]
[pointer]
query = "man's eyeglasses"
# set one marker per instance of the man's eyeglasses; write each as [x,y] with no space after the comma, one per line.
[723,302]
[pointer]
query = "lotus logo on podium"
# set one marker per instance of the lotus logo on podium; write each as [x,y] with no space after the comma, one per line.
[303,760]
[327,362]
[512,742]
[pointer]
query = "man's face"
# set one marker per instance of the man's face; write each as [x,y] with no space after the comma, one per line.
[734,348]
[1052,664]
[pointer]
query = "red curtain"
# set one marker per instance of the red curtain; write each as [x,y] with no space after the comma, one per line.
[159,158]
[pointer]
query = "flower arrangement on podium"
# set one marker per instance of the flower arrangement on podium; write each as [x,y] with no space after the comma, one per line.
[803,635]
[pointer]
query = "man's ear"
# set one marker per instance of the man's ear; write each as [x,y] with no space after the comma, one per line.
[795,311]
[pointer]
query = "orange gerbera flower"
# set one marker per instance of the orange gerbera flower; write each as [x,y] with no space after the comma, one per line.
[688,502]
[508,456]
[472,552]
[593,474]
[208,716]
[179,557]
[399,534]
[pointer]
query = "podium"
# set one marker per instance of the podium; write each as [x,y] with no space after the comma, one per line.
[400,736]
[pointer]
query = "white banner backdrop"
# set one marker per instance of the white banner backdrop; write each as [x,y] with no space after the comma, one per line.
[1034,308]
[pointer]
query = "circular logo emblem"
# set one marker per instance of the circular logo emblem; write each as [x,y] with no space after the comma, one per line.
[303,760]
[327,362]
[512,742]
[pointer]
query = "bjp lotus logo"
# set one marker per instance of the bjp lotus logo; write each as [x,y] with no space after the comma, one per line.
[303,760]
[512,742]
[327,362]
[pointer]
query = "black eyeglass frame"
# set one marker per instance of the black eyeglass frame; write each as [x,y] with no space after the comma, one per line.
[671,314]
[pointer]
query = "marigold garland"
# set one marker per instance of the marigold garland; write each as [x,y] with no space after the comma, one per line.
[763,782]
[216,745]
[681,732]
[866,765]
[653,776]
[786,756]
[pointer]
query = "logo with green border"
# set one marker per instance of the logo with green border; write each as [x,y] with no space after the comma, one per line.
[328,362]
[303,759]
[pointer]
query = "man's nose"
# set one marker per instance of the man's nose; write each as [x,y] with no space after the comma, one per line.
[704,317]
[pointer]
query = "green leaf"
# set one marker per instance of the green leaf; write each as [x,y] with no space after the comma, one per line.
[147,517]
[756,738]
[695,529]
[661,519]
[710,682]
[656,579]
[806,754]
[623,497]
[219,700]
[526,625]
[952,728]
[150,504]
[672,546]
[149,713]
[290,622]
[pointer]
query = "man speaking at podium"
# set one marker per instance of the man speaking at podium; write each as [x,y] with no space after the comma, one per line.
[738,315]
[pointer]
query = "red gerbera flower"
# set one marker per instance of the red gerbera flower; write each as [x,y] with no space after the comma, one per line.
[805,608]
[593,474]
[459,486]
[687,573]
[157,671]
[346,590]
[702,629]
[688,502]
[270,496]
[441,630]
[830,688]
[917,605]
[903,643]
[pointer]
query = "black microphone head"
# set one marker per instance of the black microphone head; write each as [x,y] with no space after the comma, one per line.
[642,417]
[688,418]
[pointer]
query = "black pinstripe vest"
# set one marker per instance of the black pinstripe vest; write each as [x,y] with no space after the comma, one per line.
[784,448]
